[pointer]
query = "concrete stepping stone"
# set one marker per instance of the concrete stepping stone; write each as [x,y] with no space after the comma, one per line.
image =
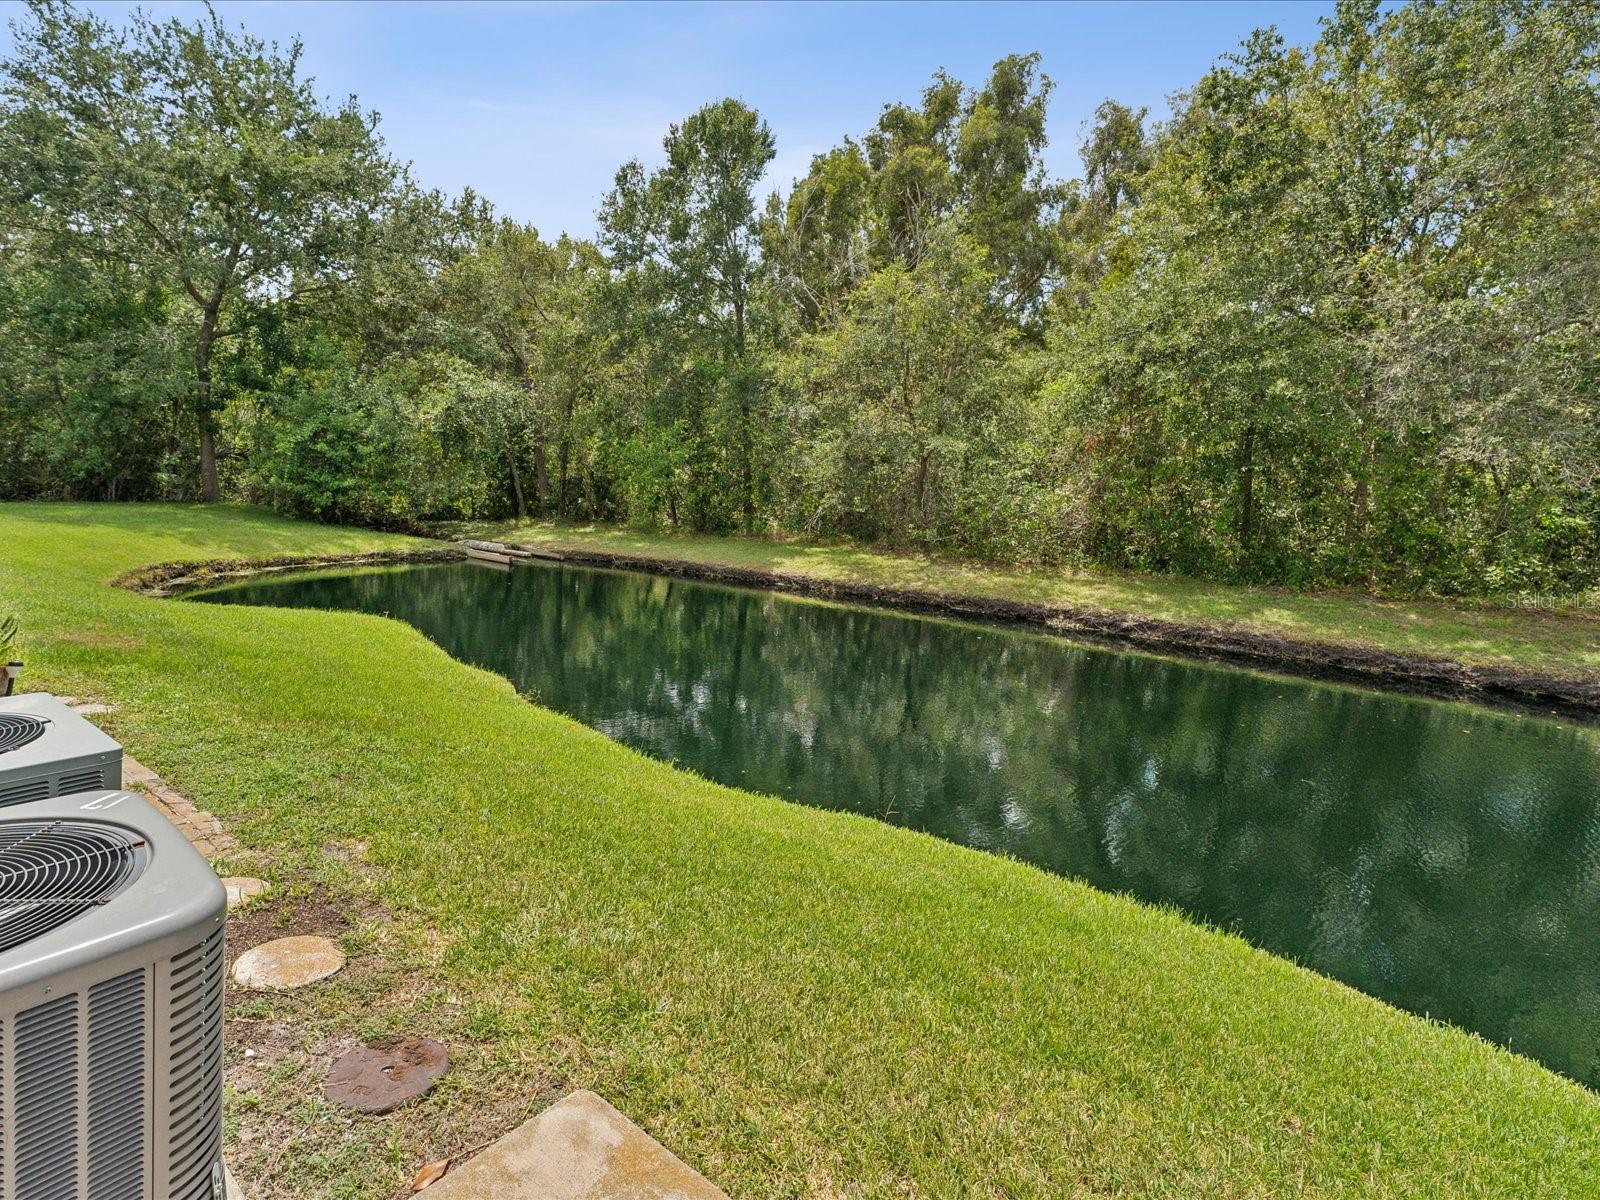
[93,709]
[579,1149]
[287,963]
[242,889]
[380,1078]
[230,1186]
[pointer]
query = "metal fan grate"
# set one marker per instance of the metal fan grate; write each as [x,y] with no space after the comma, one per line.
[50,871]
[18,729]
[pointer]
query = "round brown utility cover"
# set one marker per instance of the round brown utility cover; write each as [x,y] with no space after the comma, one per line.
[381,1077]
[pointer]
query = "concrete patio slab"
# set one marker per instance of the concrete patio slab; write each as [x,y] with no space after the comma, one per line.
[579,1149]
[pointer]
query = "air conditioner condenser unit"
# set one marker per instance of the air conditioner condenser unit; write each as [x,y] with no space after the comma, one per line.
[111,987]
[47,750]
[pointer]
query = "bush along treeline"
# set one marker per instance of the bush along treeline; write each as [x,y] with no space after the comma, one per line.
[1332,323]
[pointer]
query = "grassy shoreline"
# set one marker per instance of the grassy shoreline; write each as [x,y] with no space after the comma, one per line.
[1561,644]
[798,1002]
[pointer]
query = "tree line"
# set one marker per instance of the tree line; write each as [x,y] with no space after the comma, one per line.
[1333,322]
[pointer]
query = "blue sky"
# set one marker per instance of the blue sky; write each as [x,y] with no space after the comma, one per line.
[536,106]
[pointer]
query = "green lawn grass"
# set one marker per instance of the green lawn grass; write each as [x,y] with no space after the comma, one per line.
[1564,643]
[798,1002]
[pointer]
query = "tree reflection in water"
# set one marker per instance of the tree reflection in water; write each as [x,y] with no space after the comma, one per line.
[1444,858]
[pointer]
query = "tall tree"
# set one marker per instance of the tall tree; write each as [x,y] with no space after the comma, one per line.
[1349,332]
[1008,201]
[1115,155]
[530,307]
[914,188]
[88,373]
[896,402]
[815,245]
[970,155]
[193,151]
[689,234]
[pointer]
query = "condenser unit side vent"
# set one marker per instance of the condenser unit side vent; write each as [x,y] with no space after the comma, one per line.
[118,1081]
[47,1101]
[195,1067]
[81,781]
[22,793]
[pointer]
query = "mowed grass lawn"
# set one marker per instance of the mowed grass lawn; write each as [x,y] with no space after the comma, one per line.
[797,1002]
[1554,641]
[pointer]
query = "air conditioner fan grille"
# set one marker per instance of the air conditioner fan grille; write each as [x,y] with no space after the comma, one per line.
[50,871]
[18,729]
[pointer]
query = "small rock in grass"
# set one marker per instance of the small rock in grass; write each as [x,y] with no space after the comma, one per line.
[380,1078]
[287,963]
[242,889]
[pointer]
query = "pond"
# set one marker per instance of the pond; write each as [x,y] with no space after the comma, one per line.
[1441,856]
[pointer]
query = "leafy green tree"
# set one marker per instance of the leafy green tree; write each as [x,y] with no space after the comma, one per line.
[896,403]
[1460,193]
[973,156]
[689,235]
[1116,154]
[1007,199]
[196,153]
[815,245]
[496,291]
[89,379]
[533,309]
[1316,357]
[914,188]
[576,373]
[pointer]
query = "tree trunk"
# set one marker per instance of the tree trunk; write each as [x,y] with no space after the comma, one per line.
[541,474]
[564,454]
[1247,489]
[748,455]
[1359,504]
[562,467]
[516,482]
[210,487]
[747,449]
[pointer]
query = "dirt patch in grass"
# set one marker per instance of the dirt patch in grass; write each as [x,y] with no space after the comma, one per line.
[285,1140]
[315,911]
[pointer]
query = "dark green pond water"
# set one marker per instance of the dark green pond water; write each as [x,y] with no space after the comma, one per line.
[1443,857]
